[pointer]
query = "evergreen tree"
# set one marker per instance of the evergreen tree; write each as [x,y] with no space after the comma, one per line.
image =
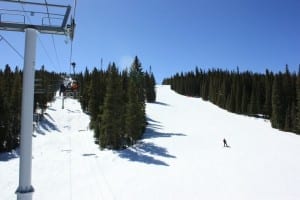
[41,89]
[232,97]
[137,75]
[111,132]
[254,107]
[238,96]
[245,99]
[293,116]
[150,87]
[135,120]
[15,110]
[204,89]
[84,90]
[278,115]
[298,103]
[134,115]
[3,116]
[288,120]
[147,85]
[267,109]
[289,99]
[95,98]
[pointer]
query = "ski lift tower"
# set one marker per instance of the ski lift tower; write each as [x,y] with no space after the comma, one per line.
[14,17]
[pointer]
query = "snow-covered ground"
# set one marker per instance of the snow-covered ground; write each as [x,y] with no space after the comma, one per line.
[181,157]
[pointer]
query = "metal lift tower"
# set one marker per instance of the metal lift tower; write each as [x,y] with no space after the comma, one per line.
[36,20]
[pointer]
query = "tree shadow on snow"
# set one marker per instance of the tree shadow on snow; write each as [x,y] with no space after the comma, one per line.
[152,130]
[145,151]
[49,108]
[9,155]
[45,125]
[151,148]
[49,116]
[89,154]
[151,121]
[160,103]
[73,111]
[137,154]
[151,133]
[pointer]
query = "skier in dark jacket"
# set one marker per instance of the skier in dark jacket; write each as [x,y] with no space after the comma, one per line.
[225,143]
[62,89]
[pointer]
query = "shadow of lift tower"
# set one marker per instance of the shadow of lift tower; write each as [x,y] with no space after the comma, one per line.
[15,20]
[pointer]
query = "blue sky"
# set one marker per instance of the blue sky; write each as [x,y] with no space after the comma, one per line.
[172,36]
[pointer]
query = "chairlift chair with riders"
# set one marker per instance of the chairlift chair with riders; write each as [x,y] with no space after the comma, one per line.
[69,87]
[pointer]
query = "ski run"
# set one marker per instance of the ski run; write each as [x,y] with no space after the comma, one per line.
[181,157]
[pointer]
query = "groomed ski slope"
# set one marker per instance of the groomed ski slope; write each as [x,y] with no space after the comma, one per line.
[181,157]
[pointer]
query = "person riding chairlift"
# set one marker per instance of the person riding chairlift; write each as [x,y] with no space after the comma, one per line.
[74,86]
[62,89]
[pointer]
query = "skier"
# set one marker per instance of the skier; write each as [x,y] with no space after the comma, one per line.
[225,143]
[62,89]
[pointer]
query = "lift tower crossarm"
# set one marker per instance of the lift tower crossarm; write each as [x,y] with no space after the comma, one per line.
[41,28]
[35,3]
[61,29]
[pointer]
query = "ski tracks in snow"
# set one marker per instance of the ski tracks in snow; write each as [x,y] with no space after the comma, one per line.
[85,171]
[77,164]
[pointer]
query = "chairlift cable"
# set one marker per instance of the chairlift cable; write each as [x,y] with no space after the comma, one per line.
[56,54]
[72,23]
[52,37]
[46,52]
[40,40]
[11,46]
[75,5]
[71,52]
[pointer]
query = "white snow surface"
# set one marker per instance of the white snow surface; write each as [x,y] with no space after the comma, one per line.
[181,157]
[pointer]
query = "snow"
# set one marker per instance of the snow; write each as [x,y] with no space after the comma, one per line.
[181,157]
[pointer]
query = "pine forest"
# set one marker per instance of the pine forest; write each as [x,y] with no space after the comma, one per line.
[115,101]
[269,95]
[10,101]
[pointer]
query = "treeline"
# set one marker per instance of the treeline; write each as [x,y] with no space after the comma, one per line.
[272,96]
[10,102]
[116,103]
[46,86]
